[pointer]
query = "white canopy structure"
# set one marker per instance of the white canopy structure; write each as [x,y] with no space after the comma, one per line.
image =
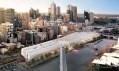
[38,50]
[110,59]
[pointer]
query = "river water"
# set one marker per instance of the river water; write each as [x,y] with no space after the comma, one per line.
[75,60]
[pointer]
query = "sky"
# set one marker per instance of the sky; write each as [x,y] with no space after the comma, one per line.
[96,6]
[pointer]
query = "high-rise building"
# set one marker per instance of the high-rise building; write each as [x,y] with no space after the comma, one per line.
[49,11]
[17,24]
[74,11]
[32,13]
[6,30]
[69,11]
[53,11]
[2,11]
[37,13]
[9,15]
[89,17]
[25,21]
[86,15]
[57,11]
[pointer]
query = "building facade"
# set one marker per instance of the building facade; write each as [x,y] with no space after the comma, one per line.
[6,32]
[72,11]
[67,17]
[9,15]
[2,12]
[58,11]
[25,21]
[89,17]
[69,11]
[33,13]
[49,11]
[53,11]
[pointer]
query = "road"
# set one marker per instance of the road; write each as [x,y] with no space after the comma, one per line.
[75,60]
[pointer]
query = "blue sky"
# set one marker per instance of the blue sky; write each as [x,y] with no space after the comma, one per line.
[96,6]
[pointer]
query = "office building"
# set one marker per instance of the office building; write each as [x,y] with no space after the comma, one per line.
[9,15]
[2,12]
[53,11]
[58,11]
[37,13]
[17,24]
[29,38]
[32,13]
[49,11]
[89,17]
[86,15]
[25,21]
[6,32]
[69,11]
[72,11]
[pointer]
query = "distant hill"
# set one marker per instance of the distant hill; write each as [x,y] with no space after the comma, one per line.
[106,15]
[82,15]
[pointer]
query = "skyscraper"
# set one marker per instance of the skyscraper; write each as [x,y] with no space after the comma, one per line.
[37,13]
[32,13]
[49,11]
[86,15]
[57,11]
[53,11]
[9,15]
[2,16]
[25,21]
[72,11]
[89,17]
[69,11]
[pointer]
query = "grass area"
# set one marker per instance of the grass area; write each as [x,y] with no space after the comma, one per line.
[76,45]
[97,38]
[15,51]
[18,50]
[43,58]
[5,60]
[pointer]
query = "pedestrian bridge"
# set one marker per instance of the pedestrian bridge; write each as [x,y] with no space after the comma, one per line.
[63,63]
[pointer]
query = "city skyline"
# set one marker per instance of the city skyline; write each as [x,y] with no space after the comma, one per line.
[96,6]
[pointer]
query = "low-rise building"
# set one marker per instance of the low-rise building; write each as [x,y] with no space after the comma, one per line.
[108,61]
[9,46]
[39,50]
[6,32]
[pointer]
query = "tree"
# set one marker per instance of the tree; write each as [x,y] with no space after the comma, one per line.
[42,57]
[33,61]
[55,53]
[76,46]
[66,49]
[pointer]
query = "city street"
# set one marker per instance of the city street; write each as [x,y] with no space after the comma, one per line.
[76,60]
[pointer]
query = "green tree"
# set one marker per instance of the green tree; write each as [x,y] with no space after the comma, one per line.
[76,46]
[55,53]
